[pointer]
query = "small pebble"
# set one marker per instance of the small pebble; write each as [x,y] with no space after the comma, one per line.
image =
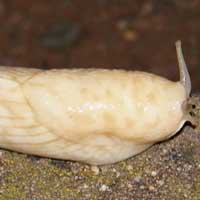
[152,188]
[104,188]
[129,186]
[153,173]
[165,151]
[130,167]
[161,182]
[95,169]
[178,169]
[85,186]
[185,195]
[142,187]
[116,172]
[137,179]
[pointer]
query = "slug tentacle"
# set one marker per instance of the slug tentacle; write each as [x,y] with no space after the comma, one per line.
[183,70]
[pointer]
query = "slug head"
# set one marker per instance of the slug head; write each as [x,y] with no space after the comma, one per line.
[190,104]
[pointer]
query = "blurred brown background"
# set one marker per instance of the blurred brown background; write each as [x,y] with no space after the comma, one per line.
[129,34]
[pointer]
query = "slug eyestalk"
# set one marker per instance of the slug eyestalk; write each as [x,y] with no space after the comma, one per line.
[183,70]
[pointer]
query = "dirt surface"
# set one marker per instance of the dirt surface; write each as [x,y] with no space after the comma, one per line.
[136,35]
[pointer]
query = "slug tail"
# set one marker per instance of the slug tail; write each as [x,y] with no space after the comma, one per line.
[183,70]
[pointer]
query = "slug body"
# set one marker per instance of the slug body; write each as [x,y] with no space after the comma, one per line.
[90,115]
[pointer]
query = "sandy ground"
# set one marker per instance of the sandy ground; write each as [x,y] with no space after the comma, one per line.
[170,170]
[136,35]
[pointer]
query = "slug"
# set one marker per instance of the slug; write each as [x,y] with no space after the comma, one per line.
[96,116]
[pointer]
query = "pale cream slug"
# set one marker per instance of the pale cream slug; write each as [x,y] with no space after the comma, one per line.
[96,116]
